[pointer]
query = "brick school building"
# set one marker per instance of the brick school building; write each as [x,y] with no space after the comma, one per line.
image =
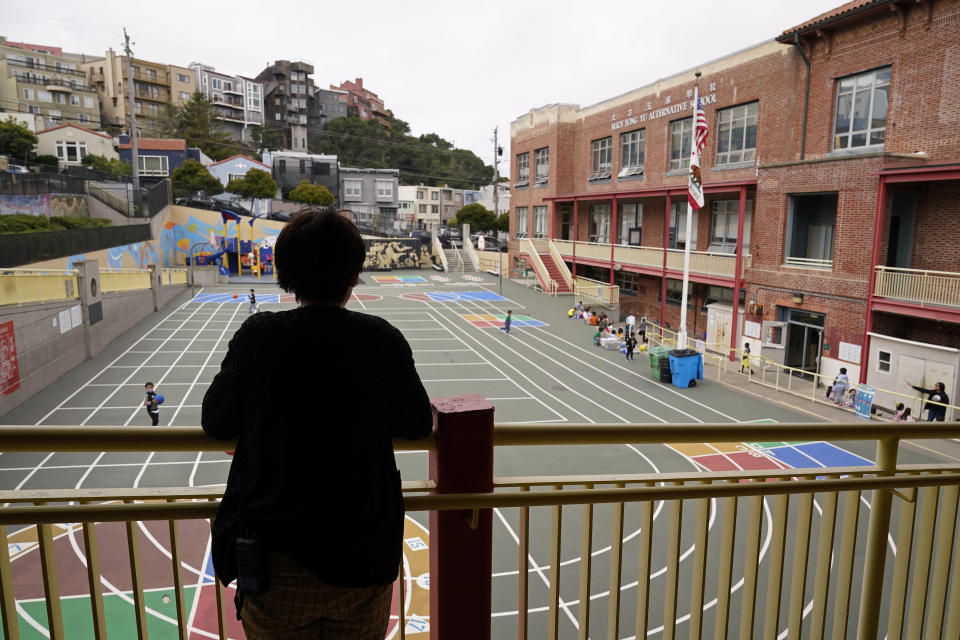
[831,228]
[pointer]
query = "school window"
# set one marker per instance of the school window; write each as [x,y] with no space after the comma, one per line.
[352,189]
[737,134]
[681,132]
[599,223]
[601,158]
[631,219]
[384,190]
[810,226]
[632,153]
[678,227]
[541,167]
[723,230]
[539,222]
[861,112]
[627,281]
[523,170]
[675,292]
[721,294]
[883,361]
[153,166]
[71,151]
[521,222]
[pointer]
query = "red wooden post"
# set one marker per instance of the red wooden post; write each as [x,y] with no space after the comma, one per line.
[460,555]
[737,274]
[874,261]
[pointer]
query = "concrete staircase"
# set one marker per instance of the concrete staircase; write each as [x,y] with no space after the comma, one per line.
[554,271]
[456,263]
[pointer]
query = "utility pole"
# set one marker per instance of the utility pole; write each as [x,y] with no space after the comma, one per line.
[496,206]
[134,155]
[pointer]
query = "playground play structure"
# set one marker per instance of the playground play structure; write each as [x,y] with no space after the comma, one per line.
[232,255]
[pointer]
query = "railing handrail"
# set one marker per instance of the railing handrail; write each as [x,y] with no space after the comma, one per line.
[21,438]
[17,271]
[118,270]
[953,274]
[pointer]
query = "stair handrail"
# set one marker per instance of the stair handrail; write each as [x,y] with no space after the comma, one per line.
[471,252]
[438,249]
[540,269]
[561,265]
[459,257]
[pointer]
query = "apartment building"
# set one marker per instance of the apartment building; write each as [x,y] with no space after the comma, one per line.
[433,205]
[155,85]
[372,196]
[290,168]
[362,102]
[829,213]
[237,101]
[46,82]
[287,89]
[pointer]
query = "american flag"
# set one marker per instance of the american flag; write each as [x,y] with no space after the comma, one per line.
[695,181]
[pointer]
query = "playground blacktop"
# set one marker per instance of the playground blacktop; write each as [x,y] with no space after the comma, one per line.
[547,370]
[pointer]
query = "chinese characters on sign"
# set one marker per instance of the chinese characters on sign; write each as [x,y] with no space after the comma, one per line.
[652,114]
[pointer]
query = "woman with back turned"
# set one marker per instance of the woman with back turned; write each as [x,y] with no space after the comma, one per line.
[312,517]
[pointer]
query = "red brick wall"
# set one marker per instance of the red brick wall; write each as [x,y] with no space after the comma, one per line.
[937,230]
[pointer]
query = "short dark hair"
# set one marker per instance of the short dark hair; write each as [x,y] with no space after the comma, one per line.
[317,254]
[148,384]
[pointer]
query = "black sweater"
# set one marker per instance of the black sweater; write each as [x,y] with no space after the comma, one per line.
[314,397]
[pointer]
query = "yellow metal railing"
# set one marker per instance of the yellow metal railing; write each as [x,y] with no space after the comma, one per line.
[19,286]
[807,555]
[707,263]
[530,248]
[596,291]
[915,285]
[174,276]
[702,262]
[113,280]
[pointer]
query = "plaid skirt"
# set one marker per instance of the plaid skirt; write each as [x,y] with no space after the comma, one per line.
[298,606]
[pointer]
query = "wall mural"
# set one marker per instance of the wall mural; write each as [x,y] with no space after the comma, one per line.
[406,253]
[44,205]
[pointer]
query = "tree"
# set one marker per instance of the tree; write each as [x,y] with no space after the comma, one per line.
[503,222]
[50,161]
[16,140]
[312,194]
[265,138]
[477,216]
[255,184]
[191,176]
[111,165]
[195,121]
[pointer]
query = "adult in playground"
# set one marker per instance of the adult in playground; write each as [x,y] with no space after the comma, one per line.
[312,517]
[935,412]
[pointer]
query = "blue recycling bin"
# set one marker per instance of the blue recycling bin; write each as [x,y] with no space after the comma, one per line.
[686,367]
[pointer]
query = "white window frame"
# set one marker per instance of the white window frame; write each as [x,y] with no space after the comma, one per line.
[421,194]
[422,208]
[74,100]
[384,190]
[88,102]
[84,118]
[630,214]
[601,158]
[681,135]
[523,170]
[28,94]
[161,167]
[725,216]
[353,189]
[44,96]
[884,361]
[678,223]
[743,119]
[55,114]
[633,151]
[64,148]
[521,222]
[599,230]
[865,85]
[540,221]
[541,166]
[235,176]
[434,208]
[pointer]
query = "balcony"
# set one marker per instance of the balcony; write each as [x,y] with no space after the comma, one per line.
[29,64]
[720,265]
[155,95]
[220,98]
[775,529]
[229,114]
[158,77]
[55,84]
[919,287]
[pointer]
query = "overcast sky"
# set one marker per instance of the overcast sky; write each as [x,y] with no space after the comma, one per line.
[454,68]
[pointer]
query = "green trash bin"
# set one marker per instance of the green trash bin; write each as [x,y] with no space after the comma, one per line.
[657,355]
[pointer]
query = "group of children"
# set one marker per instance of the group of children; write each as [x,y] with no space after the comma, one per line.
[607,335]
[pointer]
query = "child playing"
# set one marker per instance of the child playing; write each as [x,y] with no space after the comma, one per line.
[631,345]
[745,361]
[150,401]
[506,323]
[899,413]
[840,385]
[254,307]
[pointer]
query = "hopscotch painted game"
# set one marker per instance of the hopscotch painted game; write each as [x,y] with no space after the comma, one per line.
[495,320]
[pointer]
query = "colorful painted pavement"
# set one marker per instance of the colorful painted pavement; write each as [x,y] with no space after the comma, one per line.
[495,320]
[398,279]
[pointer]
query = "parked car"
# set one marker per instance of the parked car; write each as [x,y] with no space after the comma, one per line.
[282,216]
[196,201]
[232,204]
[17,168]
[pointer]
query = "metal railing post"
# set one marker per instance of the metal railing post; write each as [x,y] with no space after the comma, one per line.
[875,554]
[461,541]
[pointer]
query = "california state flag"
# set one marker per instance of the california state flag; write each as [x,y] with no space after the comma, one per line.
[695,180]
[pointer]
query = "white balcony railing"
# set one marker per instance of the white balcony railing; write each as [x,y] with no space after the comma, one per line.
[941,288]
[808,263]
[702,262]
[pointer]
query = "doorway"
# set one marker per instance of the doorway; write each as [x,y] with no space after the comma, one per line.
[566,222]
[804,341]
[903,216]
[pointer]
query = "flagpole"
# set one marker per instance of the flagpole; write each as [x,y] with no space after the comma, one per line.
[682,332]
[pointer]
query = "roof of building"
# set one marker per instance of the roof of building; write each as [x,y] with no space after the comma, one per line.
[96,133]
[842,12]
[240,155]
[392,172]
[39,48]
[157,144]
